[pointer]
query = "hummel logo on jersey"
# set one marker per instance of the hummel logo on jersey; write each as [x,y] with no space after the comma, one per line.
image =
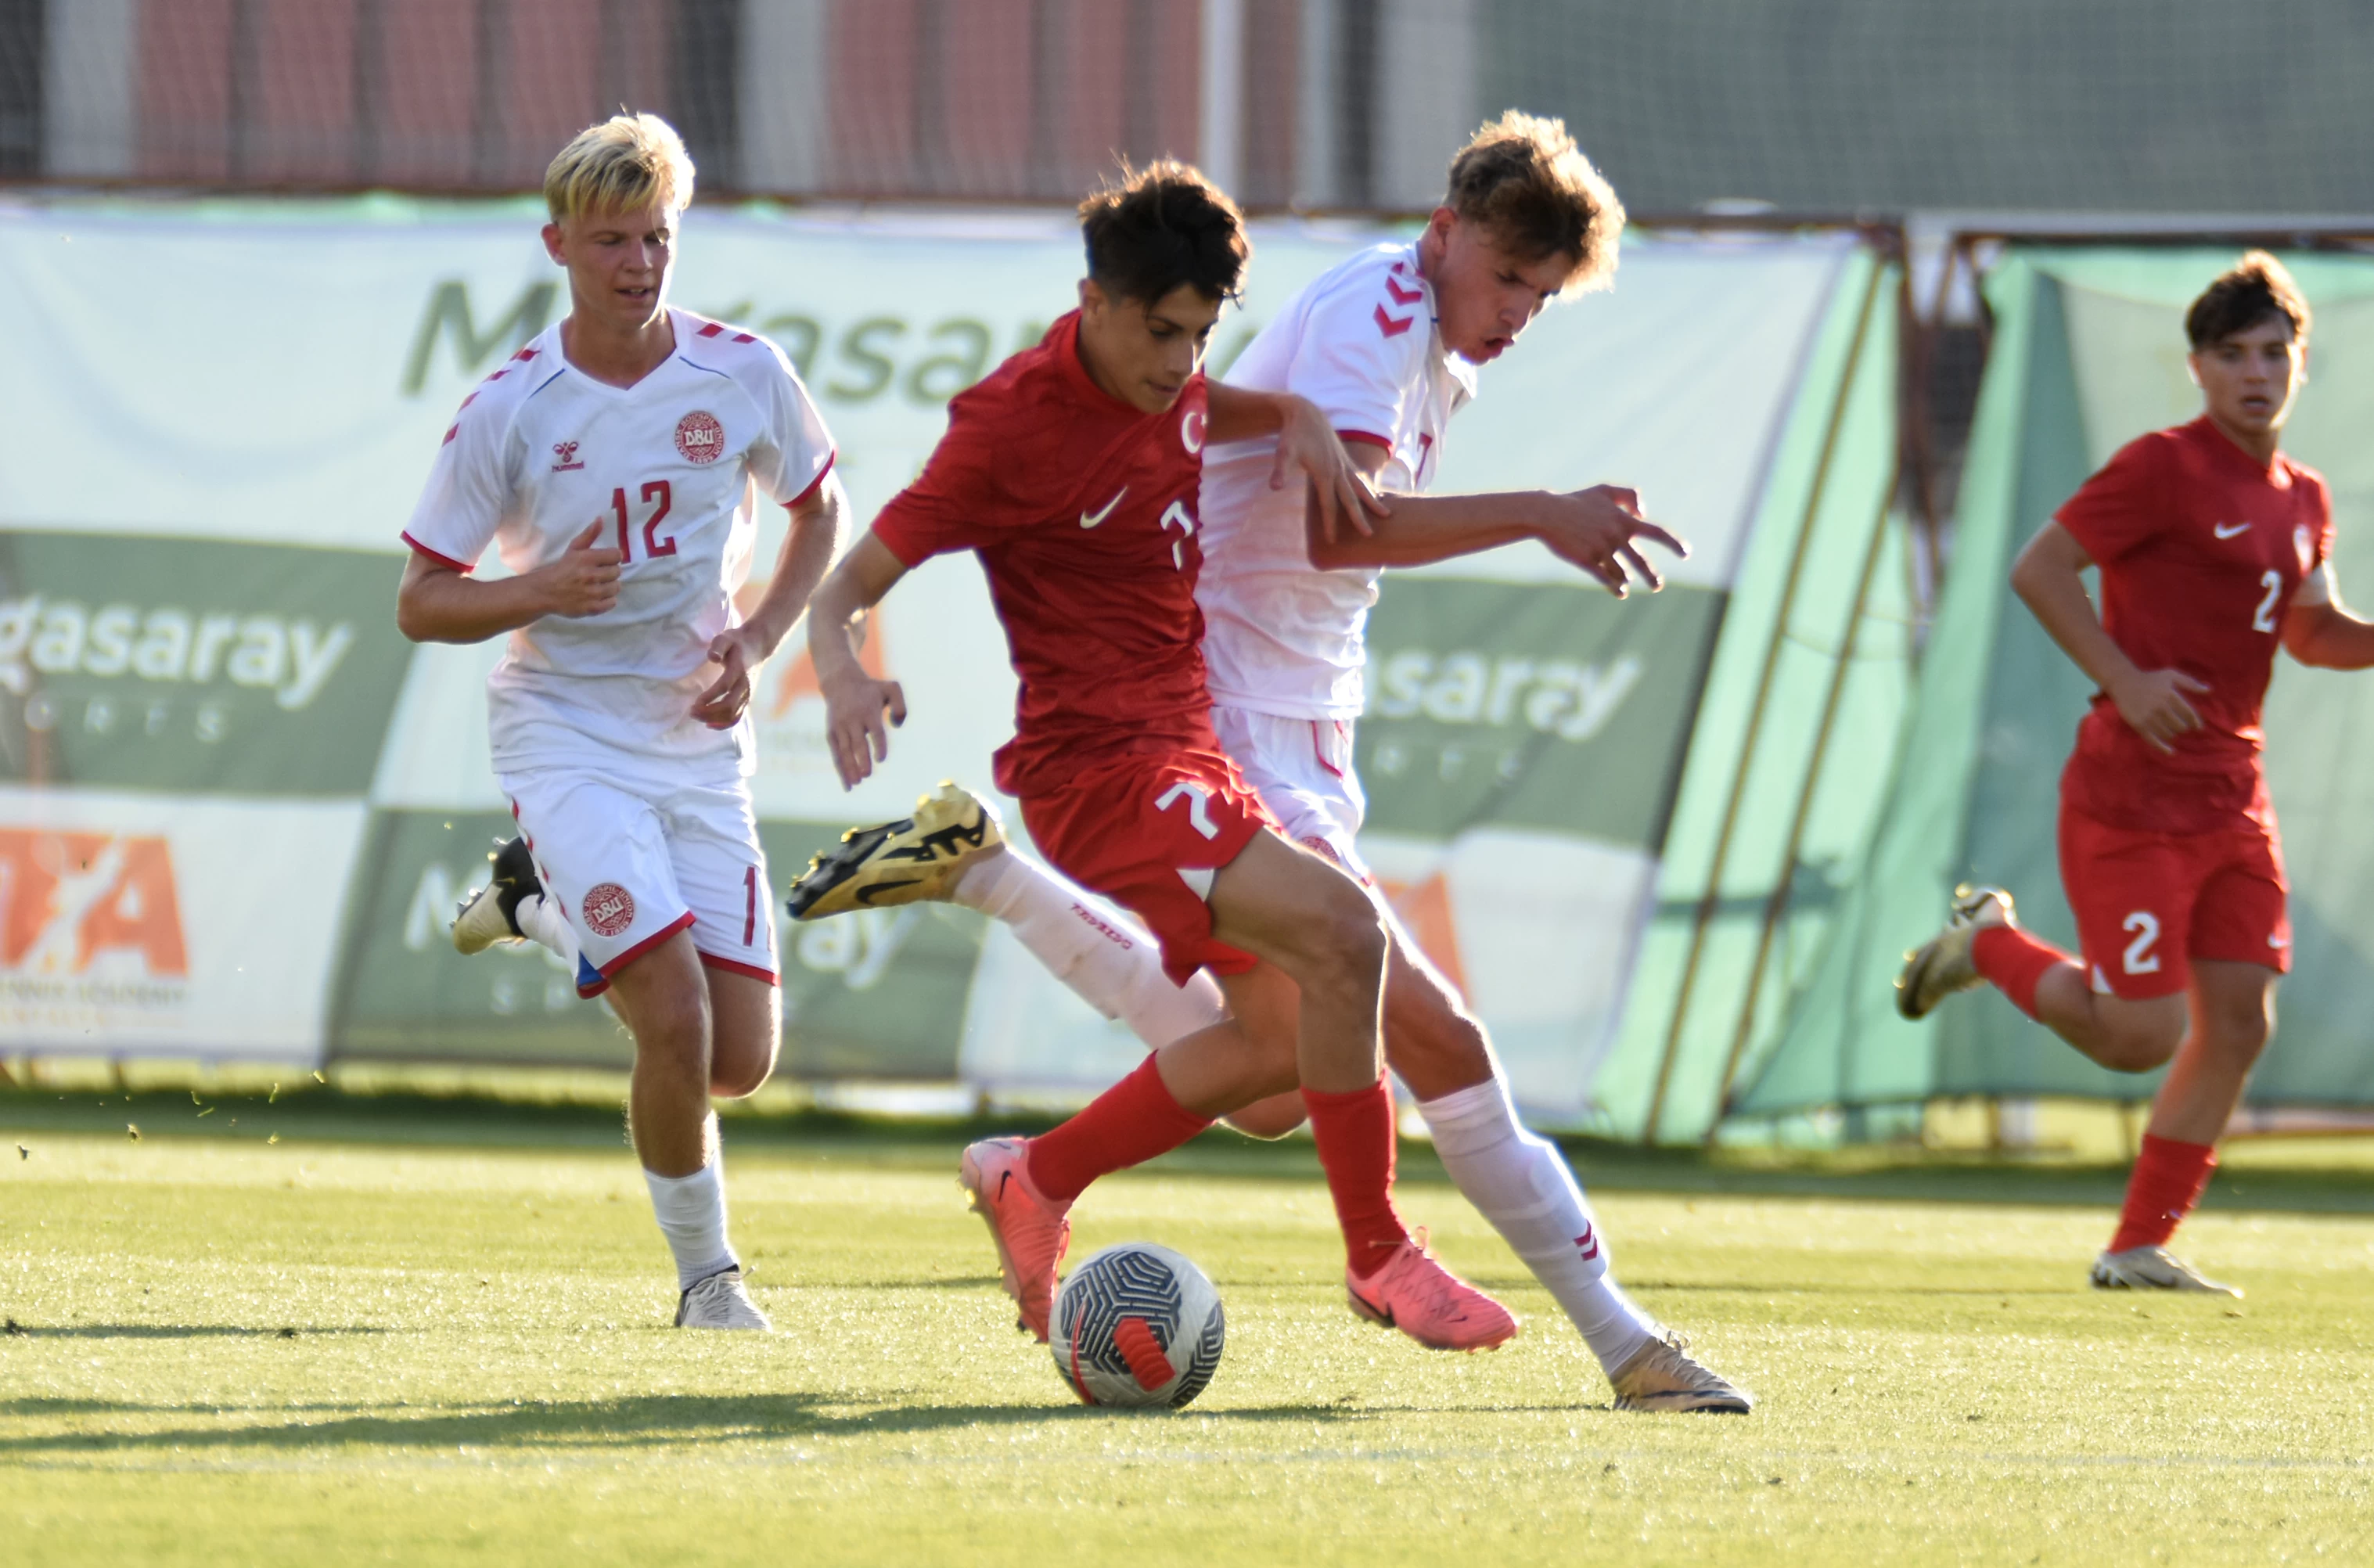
[1392,326]
[2223,532]
[1404,296]
[1091,519]
[564,456]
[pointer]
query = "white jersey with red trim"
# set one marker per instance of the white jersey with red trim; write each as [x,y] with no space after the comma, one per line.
[1281,636]
[671,468]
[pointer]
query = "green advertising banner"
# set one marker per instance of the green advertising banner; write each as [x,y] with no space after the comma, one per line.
[203,645]
[165,663]
[1550,707]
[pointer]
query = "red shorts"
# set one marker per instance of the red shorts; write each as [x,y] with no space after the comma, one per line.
[2148,904]
[1138,829]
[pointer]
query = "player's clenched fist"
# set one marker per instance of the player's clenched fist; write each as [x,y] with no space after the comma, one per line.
[584,581]
[737,653]
[1599,530]
[2153,703]
[855,708]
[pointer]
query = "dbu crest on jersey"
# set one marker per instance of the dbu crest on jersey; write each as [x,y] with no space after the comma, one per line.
[608,908]
[699,437]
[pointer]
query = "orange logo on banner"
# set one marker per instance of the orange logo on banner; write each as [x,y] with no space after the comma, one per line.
[139,910]
[1424,908]
[799,677]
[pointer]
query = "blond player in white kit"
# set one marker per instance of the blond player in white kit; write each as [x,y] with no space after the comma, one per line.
[616,462]
[1386,344]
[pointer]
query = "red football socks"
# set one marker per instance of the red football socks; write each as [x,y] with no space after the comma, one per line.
[2014,961]
[1127,1125]
[2167,1181]
[1354,1133]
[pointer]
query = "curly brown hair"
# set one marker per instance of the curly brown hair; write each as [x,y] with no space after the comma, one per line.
[1158,227]
[2244,295]
[1523,178]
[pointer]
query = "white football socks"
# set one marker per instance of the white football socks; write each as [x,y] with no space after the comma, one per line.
[1107,959]
[541,921]
[692,1212]
[1522,1184]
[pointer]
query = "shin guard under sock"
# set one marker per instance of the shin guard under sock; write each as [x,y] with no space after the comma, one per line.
[1355,1133]
[2168,1178]
[2014,961]
[1127,1125]
[1523,1185]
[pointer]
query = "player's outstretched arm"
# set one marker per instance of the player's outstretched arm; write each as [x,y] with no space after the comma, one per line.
[2319,630]
[808,550]
[1340,497]
[855,705]
[1599,530]
[437,604]
[2046,576]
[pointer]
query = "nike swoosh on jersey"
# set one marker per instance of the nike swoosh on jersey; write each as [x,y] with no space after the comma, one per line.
[1091,519]
[2223,532]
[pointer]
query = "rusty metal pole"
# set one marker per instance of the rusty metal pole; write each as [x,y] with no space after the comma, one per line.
[1713,893]
[1779,902]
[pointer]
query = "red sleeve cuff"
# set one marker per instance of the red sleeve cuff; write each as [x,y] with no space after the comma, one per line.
[436,556]
[911,552]
[817,483]
[1366,437]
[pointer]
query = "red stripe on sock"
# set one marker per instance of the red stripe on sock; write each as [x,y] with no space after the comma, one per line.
[2014,961]
[2168,1178]
[1127,1125]
[1354,1133]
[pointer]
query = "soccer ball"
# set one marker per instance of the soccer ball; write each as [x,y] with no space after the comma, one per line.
[1137,1325]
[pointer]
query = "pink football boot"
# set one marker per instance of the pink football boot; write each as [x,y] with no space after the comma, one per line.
[1429,1302]
[1031,1231]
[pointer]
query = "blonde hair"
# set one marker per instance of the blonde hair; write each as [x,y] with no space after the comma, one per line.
[625,164]
[1523,178]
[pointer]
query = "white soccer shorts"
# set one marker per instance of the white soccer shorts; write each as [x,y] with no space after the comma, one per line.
[1303,770]
[631,864]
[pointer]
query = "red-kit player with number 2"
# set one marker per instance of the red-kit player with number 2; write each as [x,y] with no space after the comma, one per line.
[1072,473]
[2214,549]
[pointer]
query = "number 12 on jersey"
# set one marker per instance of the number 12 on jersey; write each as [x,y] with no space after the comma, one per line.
[655,489]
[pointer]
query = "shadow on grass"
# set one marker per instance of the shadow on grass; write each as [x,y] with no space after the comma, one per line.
[590,1425]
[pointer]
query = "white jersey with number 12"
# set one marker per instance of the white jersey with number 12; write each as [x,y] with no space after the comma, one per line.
[670,468]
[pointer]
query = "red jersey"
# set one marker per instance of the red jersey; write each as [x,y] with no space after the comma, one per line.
[2202,547]
[1082,509]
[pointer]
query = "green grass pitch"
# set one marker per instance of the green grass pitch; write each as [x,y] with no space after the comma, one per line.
[441,1337]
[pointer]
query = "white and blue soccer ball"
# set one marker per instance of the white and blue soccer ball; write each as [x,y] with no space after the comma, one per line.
[1137,1325]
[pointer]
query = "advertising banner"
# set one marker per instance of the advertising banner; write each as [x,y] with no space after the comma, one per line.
[164,925]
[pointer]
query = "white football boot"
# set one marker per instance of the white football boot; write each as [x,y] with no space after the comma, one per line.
[1943,964]
[1663,1375]
[720,1302]
[490,914]
[2154,1268]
